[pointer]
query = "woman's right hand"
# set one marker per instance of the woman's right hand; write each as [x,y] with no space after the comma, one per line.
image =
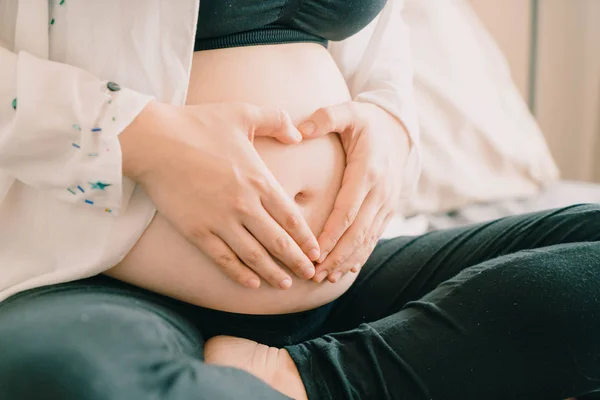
[199,167]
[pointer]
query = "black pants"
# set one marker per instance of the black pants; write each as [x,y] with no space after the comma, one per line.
[504,310]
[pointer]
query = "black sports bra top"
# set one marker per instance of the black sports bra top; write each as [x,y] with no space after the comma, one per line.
[234,23]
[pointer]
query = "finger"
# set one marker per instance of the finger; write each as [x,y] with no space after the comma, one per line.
[364,252]
[379,224]
[271,122]
[354,190]
[339,118]
[355,261]
[279,243]
[254,255]
[351,240]
[221,255]
[285,212]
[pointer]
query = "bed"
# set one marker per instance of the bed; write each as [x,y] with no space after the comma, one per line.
[484,156]
[559,194]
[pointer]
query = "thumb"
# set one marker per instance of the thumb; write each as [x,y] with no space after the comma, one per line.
[275,123]
[338,118]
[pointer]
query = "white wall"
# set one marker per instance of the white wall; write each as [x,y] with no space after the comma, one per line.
[509,23]
[568,84]
[568,74]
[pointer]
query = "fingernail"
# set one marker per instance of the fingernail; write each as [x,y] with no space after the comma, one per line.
[336,276]
[253,283]
[285,283]
[322,275]
[309,272]
[313,254]
[323,257]
[308,128]
[297,135]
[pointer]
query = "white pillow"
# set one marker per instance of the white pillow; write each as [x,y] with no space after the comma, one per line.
[480,143]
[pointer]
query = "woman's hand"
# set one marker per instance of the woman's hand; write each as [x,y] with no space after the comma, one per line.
[199,167]
[377,147]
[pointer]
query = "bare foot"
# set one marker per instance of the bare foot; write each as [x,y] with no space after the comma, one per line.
[272,365]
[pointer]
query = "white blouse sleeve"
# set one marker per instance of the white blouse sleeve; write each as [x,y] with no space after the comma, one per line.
[377,65]
[59,128]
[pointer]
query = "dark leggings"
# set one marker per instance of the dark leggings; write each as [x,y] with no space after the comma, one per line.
[508,309]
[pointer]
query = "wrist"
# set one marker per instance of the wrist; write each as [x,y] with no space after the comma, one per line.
[133,140]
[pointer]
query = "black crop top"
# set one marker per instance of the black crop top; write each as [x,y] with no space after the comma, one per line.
[234,23]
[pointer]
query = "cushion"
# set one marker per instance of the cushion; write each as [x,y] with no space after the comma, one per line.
[479,141]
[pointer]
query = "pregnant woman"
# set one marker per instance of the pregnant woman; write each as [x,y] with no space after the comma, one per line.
[240,224]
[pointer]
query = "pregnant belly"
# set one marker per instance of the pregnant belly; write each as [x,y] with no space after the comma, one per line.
[298,78]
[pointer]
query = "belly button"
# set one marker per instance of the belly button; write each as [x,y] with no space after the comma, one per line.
[301,198]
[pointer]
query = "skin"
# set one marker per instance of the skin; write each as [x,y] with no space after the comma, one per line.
[245,201]
[310,173]
[376,147]
[348,207]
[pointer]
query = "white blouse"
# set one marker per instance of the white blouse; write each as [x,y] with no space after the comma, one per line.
[74,74]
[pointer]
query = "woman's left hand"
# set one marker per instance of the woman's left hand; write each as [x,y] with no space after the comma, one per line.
[376,146]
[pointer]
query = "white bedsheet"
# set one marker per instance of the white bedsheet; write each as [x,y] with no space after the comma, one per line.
[558,194]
